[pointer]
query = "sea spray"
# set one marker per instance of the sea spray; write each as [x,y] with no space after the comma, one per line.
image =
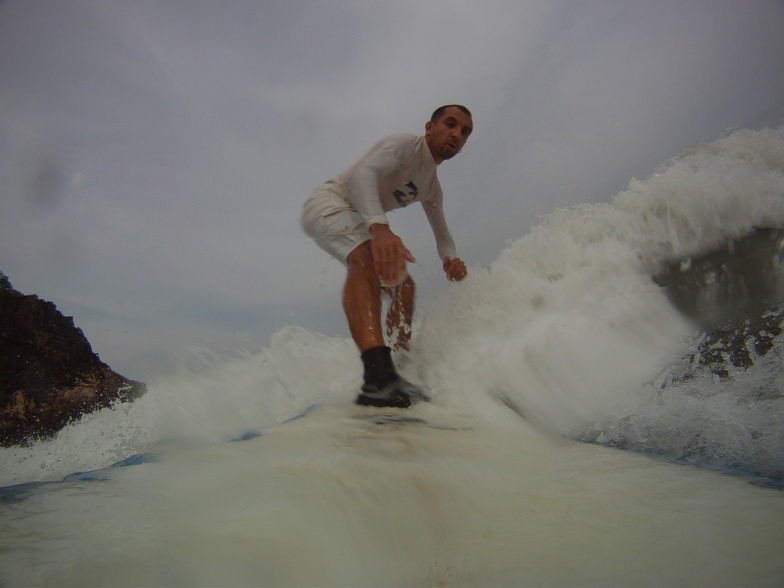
[575,329]
[214,397]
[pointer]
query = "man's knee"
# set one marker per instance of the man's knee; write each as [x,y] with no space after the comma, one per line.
[360,268]
[360,260]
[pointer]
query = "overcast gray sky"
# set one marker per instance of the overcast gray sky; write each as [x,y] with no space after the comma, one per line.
[155,155]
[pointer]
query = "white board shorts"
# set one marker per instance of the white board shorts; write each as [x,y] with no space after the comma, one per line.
[333,223]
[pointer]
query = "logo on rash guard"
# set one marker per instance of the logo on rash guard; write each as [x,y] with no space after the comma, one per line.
[405,199]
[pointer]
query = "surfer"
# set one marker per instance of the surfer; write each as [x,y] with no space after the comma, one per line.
[346,217]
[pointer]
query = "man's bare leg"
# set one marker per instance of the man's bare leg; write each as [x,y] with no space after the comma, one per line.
[401,314]
[362,299]
[362,304]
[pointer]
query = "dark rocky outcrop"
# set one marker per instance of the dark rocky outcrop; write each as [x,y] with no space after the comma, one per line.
[49,374]
[735,296]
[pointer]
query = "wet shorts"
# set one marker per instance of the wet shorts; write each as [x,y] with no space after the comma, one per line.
[333,223]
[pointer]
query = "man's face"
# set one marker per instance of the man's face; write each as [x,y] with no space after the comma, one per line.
[446,137]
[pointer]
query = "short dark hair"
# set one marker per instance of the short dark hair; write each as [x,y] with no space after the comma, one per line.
[439,112]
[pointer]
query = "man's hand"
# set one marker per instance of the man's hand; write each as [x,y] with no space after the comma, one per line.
[389,254]
[455,269]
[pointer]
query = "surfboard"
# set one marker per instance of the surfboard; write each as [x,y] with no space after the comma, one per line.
[421,416]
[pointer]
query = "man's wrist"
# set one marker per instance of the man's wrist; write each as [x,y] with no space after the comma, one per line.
[376,227]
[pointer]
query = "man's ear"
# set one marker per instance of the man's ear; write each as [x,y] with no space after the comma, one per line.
[428,126]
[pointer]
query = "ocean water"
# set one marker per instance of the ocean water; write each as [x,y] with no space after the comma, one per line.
[607,410]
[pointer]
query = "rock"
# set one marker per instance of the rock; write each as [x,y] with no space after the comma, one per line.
[49,375]
[735,297]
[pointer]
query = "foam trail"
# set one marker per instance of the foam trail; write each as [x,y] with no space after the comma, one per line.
[335,500]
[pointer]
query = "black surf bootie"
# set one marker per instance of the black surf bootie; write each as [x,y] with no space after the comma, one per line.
[383,385]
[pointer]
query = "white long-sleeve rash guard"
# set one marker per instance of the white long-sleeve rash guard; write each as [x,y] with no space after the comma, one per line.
[395,172]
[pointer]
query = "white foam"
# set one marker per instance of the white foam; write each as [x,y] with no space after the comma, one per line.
[333,499]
